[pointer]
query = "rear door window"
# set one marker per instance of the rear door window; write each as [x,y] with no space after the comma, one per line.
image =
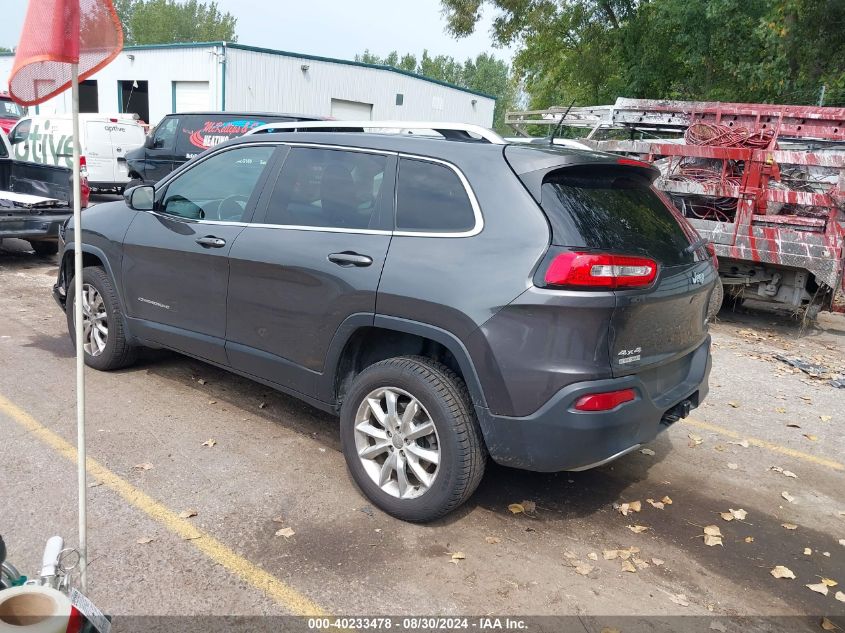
[333,189]
[165,133]
[198,132]
[612,209]
[431,198]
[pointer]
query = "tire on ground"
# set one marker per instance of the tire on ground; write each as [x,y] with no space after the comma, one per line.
[462,453]
[716,299]
[45,248]
[117,352]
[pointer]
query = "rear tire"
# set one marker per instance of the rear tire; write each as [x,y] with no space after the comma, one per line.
[45,248]
[440,425]
[105,342]
[716,299]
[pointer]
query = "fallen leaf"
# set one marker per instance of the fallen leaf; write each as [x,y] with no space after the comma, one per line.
[583,569]
[667,500]
[201,381]
[286,532]
[187,514]
[593,556]
[807,551]
[657,561]
[679,598]
[789,473]
[733,404]
[733,466]
[279,519]
[261,405]
[640,563]
[144,466]
[458,556]
[144,540]
[842,541]
[610,554]
[570,556]
[780,409]
[656,504]
[727,516]
[719,448]
[739,515]
[493,540]
[95,484]
[191,537]
[695,440]
[806,398]
[749,539]
[826,554]
[829,582]
[825,418]
[712,540]
[743,443]
[529,506]
[818,588]
[212,402]
[713,530]
[629,567]
[793,425]
[647,451]
[782,572]
[811,437]
[827,625]
[787,496]
[840,596]
[637,529]
[633,506]
[516,508]
[789,526]
[209,442]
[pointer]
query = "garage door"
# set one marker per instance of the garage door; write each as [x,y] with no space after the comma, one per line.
[351,110]
[191,96]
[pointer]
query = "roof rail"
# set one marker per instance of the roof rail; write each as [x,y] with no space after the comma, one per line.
[453,131]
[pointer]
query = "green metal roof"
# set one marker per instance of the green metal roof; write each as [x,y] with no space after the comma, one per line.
[317,58]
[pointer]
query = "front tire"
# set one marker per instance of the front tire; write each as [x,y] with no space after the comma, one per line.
[104,338]
[410,438]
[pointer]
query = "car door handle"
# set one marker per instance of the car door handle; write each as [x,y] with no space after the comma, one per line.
[348,258]
[211,242]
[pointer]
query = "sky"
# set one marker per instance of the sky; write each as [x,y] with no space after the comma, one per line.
[332,28]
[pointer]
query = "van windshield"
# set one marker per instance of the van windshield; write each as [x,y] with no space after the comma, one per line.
[612,209]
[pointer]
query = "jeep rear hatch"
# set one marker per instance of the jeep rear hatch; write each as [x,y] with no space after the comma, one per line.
[612,231]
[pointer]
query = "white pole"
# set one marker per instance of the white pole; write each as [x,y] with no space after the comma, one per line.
[80,352]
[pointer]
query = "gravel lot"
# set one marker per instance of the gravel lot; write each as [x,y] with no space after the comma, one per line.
[275,463]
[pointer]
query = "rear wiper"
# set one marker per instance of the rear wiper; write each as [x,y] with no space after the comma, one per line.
[700,243]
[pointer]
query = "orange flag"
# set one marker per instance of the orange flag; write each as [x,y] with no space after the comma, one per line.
[56,34]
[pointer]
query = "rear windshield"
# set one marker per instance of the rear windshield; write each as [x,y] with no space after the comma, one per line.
[613,210]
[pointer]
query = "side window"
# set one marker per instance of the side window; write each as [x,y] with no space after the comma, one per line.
[329,188]
[219,187]
[430,197]
[165,133]
[21,132]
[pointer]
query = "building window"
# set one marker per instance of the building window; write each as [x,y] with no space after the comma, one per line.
[400,98]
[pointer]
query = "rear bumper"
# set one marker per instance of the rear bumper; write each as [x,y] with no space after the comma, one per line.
[556,437]
[28,226]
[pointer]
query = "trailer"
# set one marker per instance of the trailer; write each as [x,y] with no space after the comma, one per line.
[764,183]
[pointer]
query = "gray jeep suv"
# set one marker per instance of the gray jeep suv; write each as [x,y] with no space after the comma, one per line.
[450,298]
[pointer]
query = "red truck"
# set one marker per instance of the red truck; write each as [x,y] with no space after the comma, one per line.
[764,183]
[10,112]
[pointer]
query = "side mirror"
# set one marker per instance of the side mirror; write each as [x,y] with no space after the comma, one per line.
[149,142]
[140,198]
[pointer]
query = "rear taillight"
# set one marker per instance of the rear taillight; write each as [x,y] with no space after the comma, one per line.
[711,248]
[600,270]
[604,401]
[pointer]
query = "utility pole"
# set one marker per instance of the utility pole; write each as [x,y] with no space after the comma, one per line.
[821,95]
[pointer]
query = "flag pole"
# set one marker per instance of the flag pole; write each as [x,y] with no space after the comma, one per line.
[80,351]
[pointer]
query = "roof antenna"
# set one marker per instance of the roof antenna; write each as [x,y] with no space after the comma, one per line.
[559,123]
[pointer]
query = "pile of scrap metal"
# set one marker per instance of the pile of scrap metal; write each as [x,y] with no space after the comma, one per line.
[765,183]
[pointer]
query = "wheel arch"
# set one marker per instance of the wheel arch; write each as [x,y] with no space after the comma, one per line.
[91,256]
[362,340]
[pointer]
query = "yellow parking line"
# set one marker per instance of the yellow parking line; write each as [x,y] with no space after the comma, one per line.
[285,595]
[775,448]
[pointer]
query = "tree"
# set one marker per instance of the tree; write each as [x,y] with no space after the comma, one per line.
[729,50]
[485,74]
[168,21]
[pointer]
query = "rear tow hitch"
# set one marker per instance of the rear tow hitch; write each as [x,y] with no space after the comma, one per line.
[680,410]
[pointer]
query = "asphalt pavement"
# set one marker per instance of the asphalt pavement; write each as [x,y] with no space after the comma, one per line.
[197,473]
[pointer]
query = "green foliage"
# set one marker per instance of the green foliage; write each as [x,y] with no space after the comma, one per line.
[594,51]
[484,74]
[168,21]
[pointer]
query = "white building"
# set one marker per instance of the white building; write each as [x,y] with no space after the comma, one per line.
[155,80]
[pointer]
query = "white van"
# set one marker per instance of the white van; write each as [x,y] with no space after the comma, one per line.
[104,141]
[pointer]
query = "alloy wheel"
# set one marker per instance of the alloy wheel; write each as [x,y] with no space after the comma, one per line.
[397,442]
[95,326]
